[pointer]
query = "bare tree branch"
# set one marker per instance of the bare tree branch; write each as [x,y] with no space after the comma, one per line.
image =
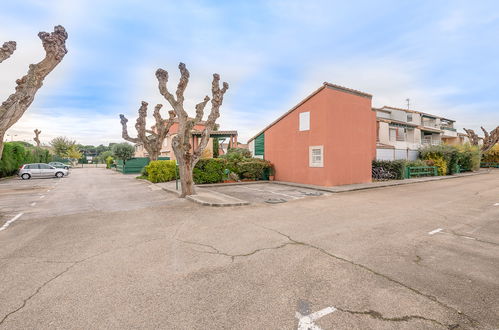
[489,140]
[7,50]
[200,109]
[472,136]
[182,84]
[186,155]
[36,138]
[162,77]
[124,130]
[154,141]
[17,103]
[216,103]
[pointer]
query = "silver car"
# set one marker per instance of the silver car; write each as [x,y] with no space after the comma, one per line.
[28,171]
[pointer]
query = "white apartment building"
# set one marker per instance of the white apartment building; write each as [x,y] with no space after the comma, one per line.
[401,132]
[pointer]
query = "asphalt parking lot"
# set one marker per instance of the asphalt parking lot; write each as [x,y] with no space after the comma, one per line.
[103,250]
[17,195]
[270,193]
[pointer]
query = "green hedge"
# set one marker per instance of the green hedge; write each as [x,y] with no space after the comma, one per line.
[209,170]
[254,169]
[388,170]
[491,156]
[15,154]
[160,170]
[449,158]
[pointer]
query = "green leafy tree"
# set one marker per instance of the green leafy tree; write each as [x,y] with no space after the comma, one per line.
[103,156]
[61,145]
[73,154]
[123,151]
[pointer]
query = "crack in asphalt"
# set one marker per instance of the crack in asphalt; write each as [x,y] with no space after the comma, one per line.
[371,313]
[378,316]
[38,289]
[470,237]
[472,321]
[233,256]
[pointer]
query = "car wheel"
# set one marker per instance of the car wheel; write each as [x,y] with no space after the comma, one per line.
[59,174]
[25,176]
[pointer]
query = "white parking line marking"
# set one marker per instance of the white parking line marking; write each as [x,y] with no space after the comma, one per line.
[33,204]
[42,196]
[48,190]
[496,204]
[5,225]
[306,322]
[435,231]
[272,192]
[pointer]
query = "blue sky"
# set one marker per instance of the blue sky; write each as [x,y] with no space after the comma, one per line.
[440,54]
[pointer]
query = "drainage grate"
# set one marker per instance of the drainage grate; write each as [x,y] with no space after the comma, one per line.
[275,200]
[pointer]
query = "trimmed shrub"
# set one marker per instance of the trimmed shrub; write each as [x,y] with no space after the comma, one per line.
[209,170]
[440,163]
[416,163]
[109,161]
[491,156]
[161,171]
[388,169]
[253,169]
[448,153]
[468,157]
[244,153]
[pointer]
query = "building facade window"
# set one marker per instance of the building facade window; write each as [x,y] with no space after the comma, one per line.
[316,156]
[409,117]
[393,134]
[304,121]
[400,134]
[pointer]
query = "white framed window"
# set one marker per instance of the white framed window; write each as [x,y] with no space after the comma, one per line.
[316,156]
[409,117]
[304,121]
[393,134]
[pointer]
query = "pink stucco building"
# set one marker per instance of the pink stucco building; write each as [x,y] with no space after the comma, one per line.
[327,139]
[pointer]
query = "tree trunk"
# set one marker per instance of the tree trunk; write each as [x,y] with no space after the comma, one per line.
[186,179]
[153,156]
[2,133]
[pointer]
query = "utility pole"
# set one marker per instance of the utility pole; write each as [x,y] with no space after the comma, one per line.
[408,103]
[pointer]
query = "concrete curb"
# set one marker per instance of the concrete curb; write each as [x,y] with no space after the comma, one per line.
[383,184]
[202,199]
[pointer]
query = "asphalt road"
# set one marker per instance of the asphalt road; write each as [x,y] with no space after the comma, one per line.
[103,250]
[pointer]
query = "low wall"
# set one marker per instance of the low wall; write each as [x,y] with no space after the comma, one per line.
[394,154]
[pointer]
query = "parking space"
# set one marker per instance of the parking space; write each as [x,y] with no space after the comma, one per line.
[270,193]
[17,195]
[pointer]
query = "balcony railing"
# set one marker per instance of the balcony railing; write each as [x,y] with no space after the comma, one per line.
[430,141]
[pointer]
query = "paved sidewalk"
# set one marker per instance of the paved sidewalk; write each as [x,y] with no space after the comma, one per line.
[208,197]
[381,184]
[204,196]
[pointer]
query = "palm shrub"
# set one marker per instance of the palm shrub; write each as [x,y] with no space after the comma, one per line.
[161,170]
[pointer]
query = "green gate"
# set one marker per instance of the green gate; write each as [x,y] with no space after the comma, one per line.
[419,171]
[135,165]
